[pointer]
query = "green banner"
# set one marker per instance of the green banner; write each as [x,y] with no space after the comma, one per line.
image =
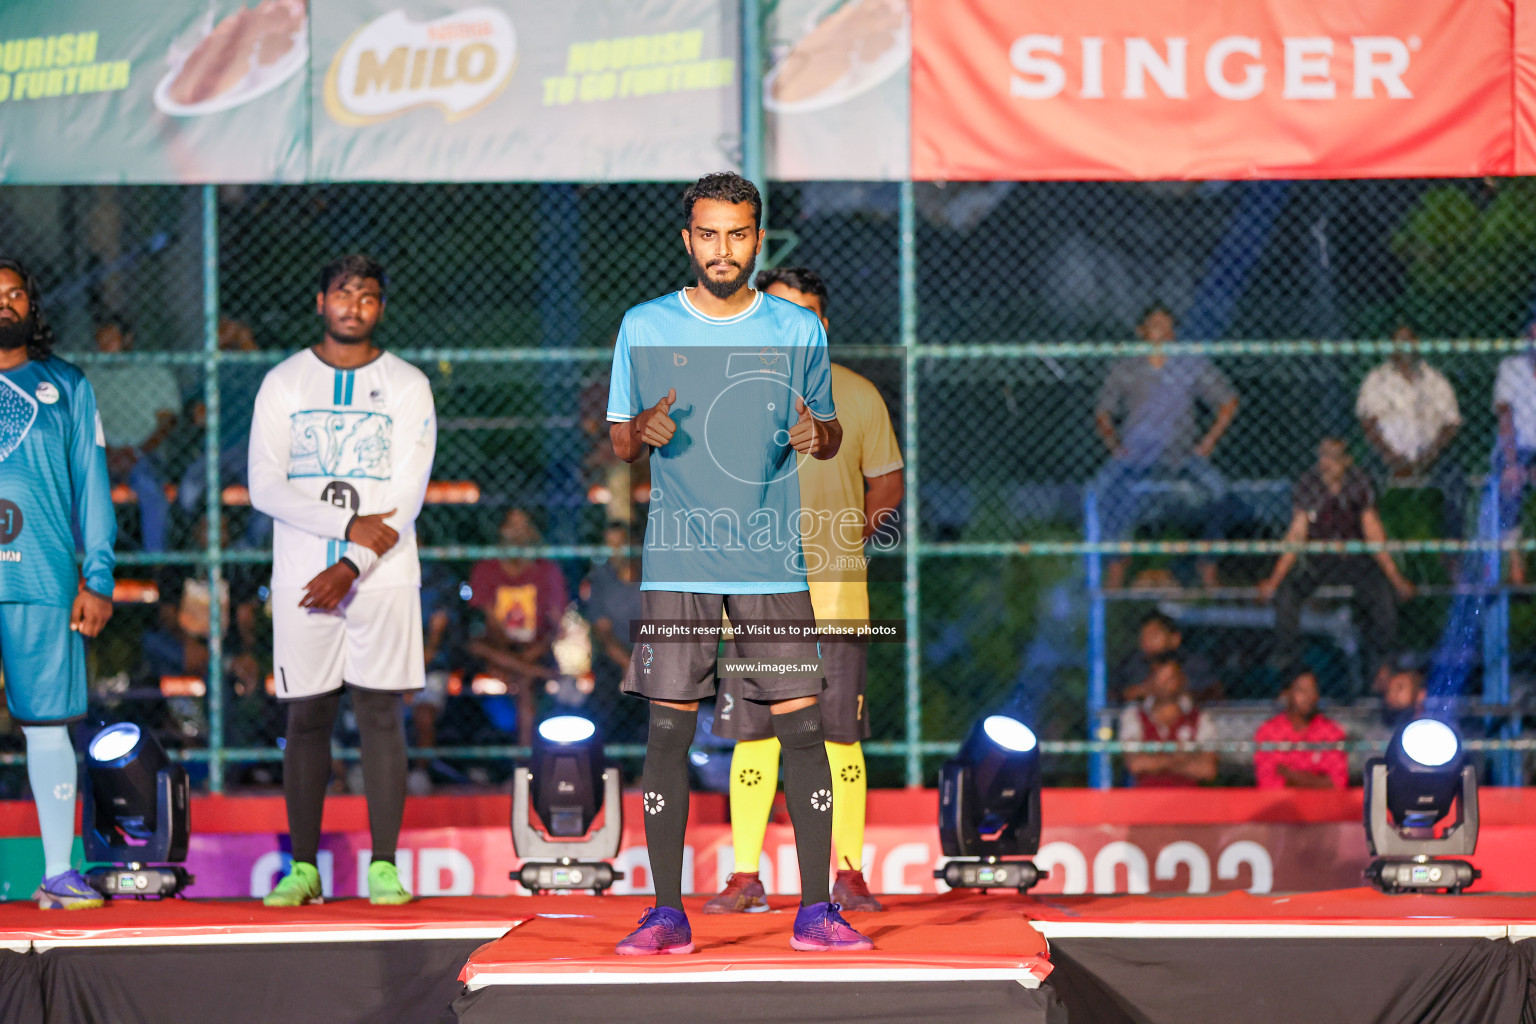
[168,91]
[524,89]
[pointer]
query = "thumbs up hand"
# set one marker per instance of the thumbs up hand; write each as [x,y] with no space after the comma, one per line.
[816,438]
[653,426]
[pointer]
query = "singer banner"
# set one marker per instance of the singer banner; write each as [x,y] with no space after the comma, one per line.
[1137,89]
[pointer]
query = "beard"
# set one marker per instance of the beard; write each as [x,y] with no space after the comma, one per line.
[16,333]
[731,285]
[347,334]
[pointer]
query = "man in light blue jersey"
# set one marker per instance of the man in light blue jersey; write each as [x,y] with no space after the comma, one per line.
[721,386]
[53,483]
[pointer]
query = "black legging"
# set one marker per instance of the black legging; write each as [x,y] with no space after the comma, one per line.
[307,767]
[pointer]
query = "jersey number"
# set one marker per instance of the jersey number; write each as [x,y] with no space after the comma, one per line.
[342,495]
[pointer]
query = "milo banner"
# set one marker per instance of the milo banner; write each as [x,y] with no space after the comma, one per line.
[835,96]
[524,89]
[175,90]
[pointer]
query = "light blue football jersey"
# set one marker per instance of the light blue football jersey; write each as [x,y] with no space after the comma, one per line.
[53,486]
[724,515]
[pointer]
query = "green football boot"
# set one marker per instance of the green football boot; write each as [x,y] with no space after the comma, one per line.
[384,886]
[298,887]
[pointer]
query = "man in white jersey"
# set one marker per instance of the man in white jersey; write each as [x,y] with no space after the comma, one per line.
[341,450]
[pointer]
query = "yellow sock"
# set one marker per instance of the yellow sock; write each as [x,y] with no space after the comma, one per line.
[848,789]
[754,780]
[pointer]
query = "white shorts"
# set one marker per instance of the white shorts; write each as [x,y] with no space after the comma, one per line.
[371,641]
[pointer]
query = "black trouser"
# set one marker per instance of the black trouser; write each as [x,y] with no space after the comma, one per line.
[1374,601]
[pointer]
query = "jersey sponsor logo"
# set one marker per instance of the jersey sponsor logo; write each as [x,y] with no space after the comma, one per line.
[47,393]
[342,495]
[10,523]
[18,411]
[339,443]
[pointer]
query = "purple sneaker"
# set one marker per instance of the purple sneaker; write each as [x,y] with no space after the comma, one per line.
[819,928]
[662,930]
[68,891]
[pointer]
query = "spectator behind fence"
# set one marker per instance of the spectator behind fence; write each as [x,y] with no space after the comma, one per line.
[1410,416]
[1403,698]
[1300,722]
[522,600]
[238,384]
[1335,501]
[1158,636]
[138,403]
[1168,714]
[1514,401]
[441,636]
[1146,417]
[612,595]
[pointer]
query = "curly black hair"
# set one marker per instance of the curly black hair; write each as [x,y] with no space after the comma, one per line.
[357,265]
[801,279]
[40,345]
[725,187]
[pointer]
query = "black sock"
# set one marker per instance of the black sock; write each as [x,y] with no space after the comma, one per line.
[381,727]
[665,785]
[808,793]
[307,770]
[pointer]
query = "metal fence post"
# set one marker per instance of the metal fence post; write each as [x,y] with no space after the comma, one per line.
[1099,775]
[911,609]
[753,162]
[214,483]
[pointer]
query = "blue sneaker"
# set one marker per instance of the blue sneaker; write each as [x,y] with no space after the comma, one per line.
[662,930]
[68,891]
[819,928]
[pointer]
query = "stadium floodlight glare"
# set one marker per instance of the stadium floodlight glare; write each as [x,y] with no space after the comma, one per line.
[989,808]
[1421,782]
[136,815]
[556,801]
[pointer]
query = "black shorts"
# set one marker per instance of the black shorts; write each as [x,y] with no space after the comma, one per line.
[844,713]
[684,670]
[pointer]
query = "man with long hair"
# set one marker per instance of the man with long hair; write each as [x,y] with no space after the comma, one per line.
[53,482]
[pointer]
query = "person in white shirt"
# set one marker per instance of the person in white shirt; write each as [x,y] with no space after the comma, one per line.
[1409,412]
[341,449]
[1514,401]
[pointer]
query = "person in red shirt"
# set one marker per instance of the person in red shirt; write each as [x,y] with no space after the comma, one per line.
[1300,722]
[522,600]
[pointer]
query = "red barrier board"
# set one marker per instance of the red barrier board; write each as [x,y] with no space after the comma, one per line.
[1139,89]
[1206,840]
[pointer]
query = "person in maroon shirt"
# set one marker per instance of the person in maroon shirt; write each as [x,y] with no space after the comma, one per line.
[523,601]
[1334,500]
[1168,715]
[1300,722]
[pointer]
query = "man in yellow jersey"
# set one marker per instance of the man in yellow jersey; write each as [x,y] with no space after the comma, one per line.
[845,500]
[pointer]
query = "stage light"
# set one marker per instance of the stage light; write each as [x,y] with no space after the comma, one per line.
[556,801]
[136,814]
[1421,782]
[989,808]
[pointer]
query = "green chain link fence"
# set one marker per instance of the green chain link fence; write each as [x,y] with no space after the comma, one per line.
[989,315]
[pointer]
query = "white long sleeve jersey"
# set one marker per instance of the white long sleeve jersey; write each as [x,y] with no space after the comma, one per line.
[328,444]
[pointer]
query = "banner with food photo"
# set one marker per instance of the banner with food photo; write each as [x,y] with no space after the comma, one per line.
[176,90]
[475,90]
[836,92]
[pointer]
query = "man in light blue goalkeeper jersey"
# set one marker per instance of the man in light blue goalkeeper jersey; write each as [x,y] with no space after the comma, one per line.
[723,388]
[53,487]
